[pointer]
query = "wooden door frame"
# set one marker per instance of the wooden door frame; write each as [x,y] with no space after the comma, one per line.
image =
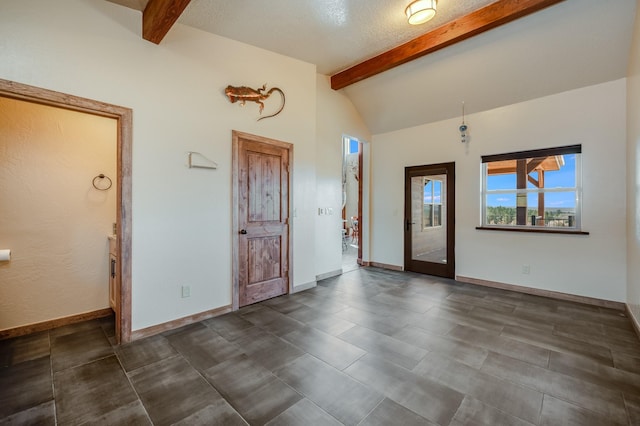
[235,229]
[360,184]
[360,218]
[449,169]
[124,117]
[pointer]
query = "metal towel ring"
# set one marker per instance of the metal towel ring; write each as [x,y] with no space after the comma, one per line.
[102,176]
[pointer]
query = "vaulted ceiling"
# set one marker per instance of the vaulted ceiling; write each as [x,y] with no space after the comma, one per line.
[564,46]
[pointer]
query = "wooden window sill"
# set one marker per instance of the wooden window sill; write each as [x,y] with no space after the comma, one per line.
[532,230]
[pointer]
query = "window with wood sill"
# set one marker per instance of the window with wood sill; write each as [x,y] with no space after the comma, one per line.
[533,191]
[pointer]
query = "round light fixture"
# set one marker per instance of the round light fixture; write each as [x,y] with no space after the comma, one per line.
[420,11]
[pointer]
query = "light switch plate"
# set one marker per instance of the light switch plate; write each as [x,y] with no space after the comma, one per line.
[186,291]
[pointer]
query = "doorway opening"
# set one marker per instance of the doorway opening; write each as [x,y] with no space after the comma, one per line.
[122,183]
[429,233]
[352,158]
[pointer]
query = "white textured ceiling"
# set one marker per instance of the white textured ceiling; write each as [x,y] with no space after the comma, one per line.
[573,44]
[332,34]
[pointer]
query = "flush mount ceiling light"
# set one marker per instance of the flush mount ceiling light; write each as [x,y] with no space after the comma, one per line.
[420,11]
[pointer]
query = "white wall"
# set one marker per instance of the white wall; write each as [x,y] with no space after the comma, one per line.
[336,117]
[633,173]
[51,217]
[593,265]
[181,216]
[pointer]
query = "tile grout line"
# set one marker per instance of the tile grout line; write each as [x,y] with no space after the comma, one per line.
[222,395]
[133,387]
[53,388]
[480,370]
[373,409]
[574,404]
[545,393]
[626,407]
[339,372]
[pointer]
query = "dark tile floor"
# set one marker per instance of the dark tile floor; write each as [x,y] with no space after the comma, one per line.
[370,347]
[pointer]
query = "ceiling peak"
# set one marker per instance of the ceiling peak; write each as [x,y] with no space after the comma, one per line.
[474,23]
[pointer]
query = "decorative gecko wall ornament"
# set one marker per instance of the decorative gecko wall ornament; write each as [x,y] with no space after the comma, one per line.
[244,94]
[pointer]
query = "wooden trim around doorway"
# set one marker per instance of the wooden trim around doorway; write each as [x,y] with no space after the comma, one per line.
[360,218]
[124,116]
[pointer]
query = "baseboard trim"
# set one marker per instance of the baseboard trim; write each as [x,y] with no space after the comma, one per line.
[303,287]
[55,323]
[545,293]
[634,321]
[386,266]
[328,275]
[180,322]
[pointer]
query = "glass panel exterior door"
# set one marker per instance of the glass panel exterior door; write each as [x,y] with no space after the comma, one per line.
[429,219]
[428,210]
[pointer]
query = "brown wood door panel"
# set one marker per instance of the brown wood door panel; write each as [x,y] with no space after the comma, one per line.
[261,191]
[263,259]
[264,186]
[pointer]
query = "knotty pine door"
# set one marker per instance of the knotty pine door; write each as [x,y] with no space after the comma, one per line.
[261,198]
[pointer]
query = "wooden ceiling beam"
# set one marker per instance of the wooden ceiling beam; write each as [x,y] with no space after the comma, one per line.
[484,19]
[159,16]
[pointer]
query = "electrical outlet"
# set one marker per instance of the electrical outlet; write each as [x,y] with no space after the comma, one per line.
[526,269]
[186,291]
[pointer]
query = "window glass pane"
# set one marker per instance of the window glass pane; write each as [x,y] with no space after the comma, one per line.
[560,209]
[550,198]
[353,146]
[533,213]
[437,191]
[532,200]
[561,200]
[501,209]
[428,215]
[501,181]
[566,176]
[437,215]
[428,192]
[504,200]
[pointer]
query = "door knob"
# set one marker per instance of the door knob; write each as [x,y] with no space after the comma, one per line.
[243,231]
